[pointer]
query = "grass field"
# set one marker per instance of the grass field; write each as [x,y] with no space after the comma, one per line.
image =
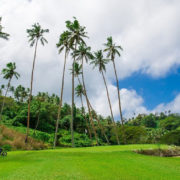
[106,162]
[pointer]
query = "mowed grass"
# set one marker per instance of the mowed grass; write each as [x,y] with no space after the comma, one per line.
[106,162]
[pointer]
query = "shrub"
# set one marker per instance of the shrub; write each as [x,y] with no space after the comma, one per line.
[7,147]
[133,135]
[80,140]
[45,137]
[173,137]
[170,123]
[154,135]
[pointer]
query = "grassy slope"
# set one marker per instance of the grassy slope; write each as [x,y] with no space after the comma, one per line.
[108,162]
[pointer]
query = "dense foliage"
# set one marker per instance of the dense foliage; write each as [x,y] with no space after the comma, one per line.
[152,128]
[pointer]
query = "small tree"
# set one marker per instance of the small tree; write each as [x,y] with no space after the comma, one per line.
[8,73]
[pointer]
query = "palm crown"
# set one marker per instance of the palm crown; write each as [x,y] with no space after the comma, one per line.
[99,61]
[77,33]
[63,41]
[36,33]
[82,52]
[3,35]
[79,90]
[77,69]
[111,48]
[9,71]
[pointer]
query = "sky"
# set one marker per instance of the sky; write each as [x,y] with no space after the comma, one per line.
[149,66]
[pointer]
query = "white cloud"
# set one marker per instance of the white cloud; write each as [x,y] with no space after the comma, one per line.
[148,32]
[173,106]
[132,103]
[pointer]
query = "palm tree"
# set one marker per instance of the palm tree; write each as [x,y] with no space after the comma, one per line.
[80,92]
[77,33]
[100,62]
[112,50]
[83,52]
[8,72]
[3,35]
[63,44]
[35,35]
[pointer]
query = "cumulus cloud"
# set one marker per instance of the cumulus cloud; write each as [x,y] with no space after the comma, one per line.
[132,103]
[173,106]
[147,31]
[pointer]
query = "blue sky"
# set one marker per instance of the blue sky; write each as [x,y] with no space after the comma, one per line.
[154,90]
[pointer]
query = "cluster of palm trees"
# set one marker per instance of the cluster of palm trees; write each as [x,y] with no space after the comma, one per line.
[72,41]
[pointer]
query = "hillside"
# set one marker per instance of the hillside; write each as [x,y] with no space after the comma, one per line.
[13,140]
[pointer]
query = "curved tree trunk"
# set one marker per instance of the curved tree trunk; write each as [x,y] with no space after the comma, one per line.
[4,99]
[90,114]
[30,95]
[60,102]
[89,129]
[118,91]
[87,125]
[110,107]
[99,124]
[38,118]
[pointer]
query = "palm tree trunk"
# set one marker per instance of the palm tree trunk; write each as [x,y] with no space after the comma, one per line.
[112,116]
[72,106]
[38,118]
[30,95]
[90,114]
[60,102]
[99,124]
[87,125]
[118,91]
[4,99]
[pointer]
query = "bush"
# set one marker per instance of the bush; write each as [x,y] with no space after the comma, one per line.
[154,135]
[170,123]
[45,137]
[80,140]
[7,147]
[172,137]
[133,135]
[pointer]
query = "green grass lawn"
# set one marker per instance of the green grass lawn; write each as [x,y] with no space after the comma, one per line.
[106,162]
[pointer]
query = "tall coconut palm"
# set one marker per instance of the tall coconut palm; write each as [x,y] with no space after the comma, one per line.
[77,33]
[8,72]
[80,93]
[3,35]
[112,50]
[63,44]
[100,63]
[35,34]
[81,54]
